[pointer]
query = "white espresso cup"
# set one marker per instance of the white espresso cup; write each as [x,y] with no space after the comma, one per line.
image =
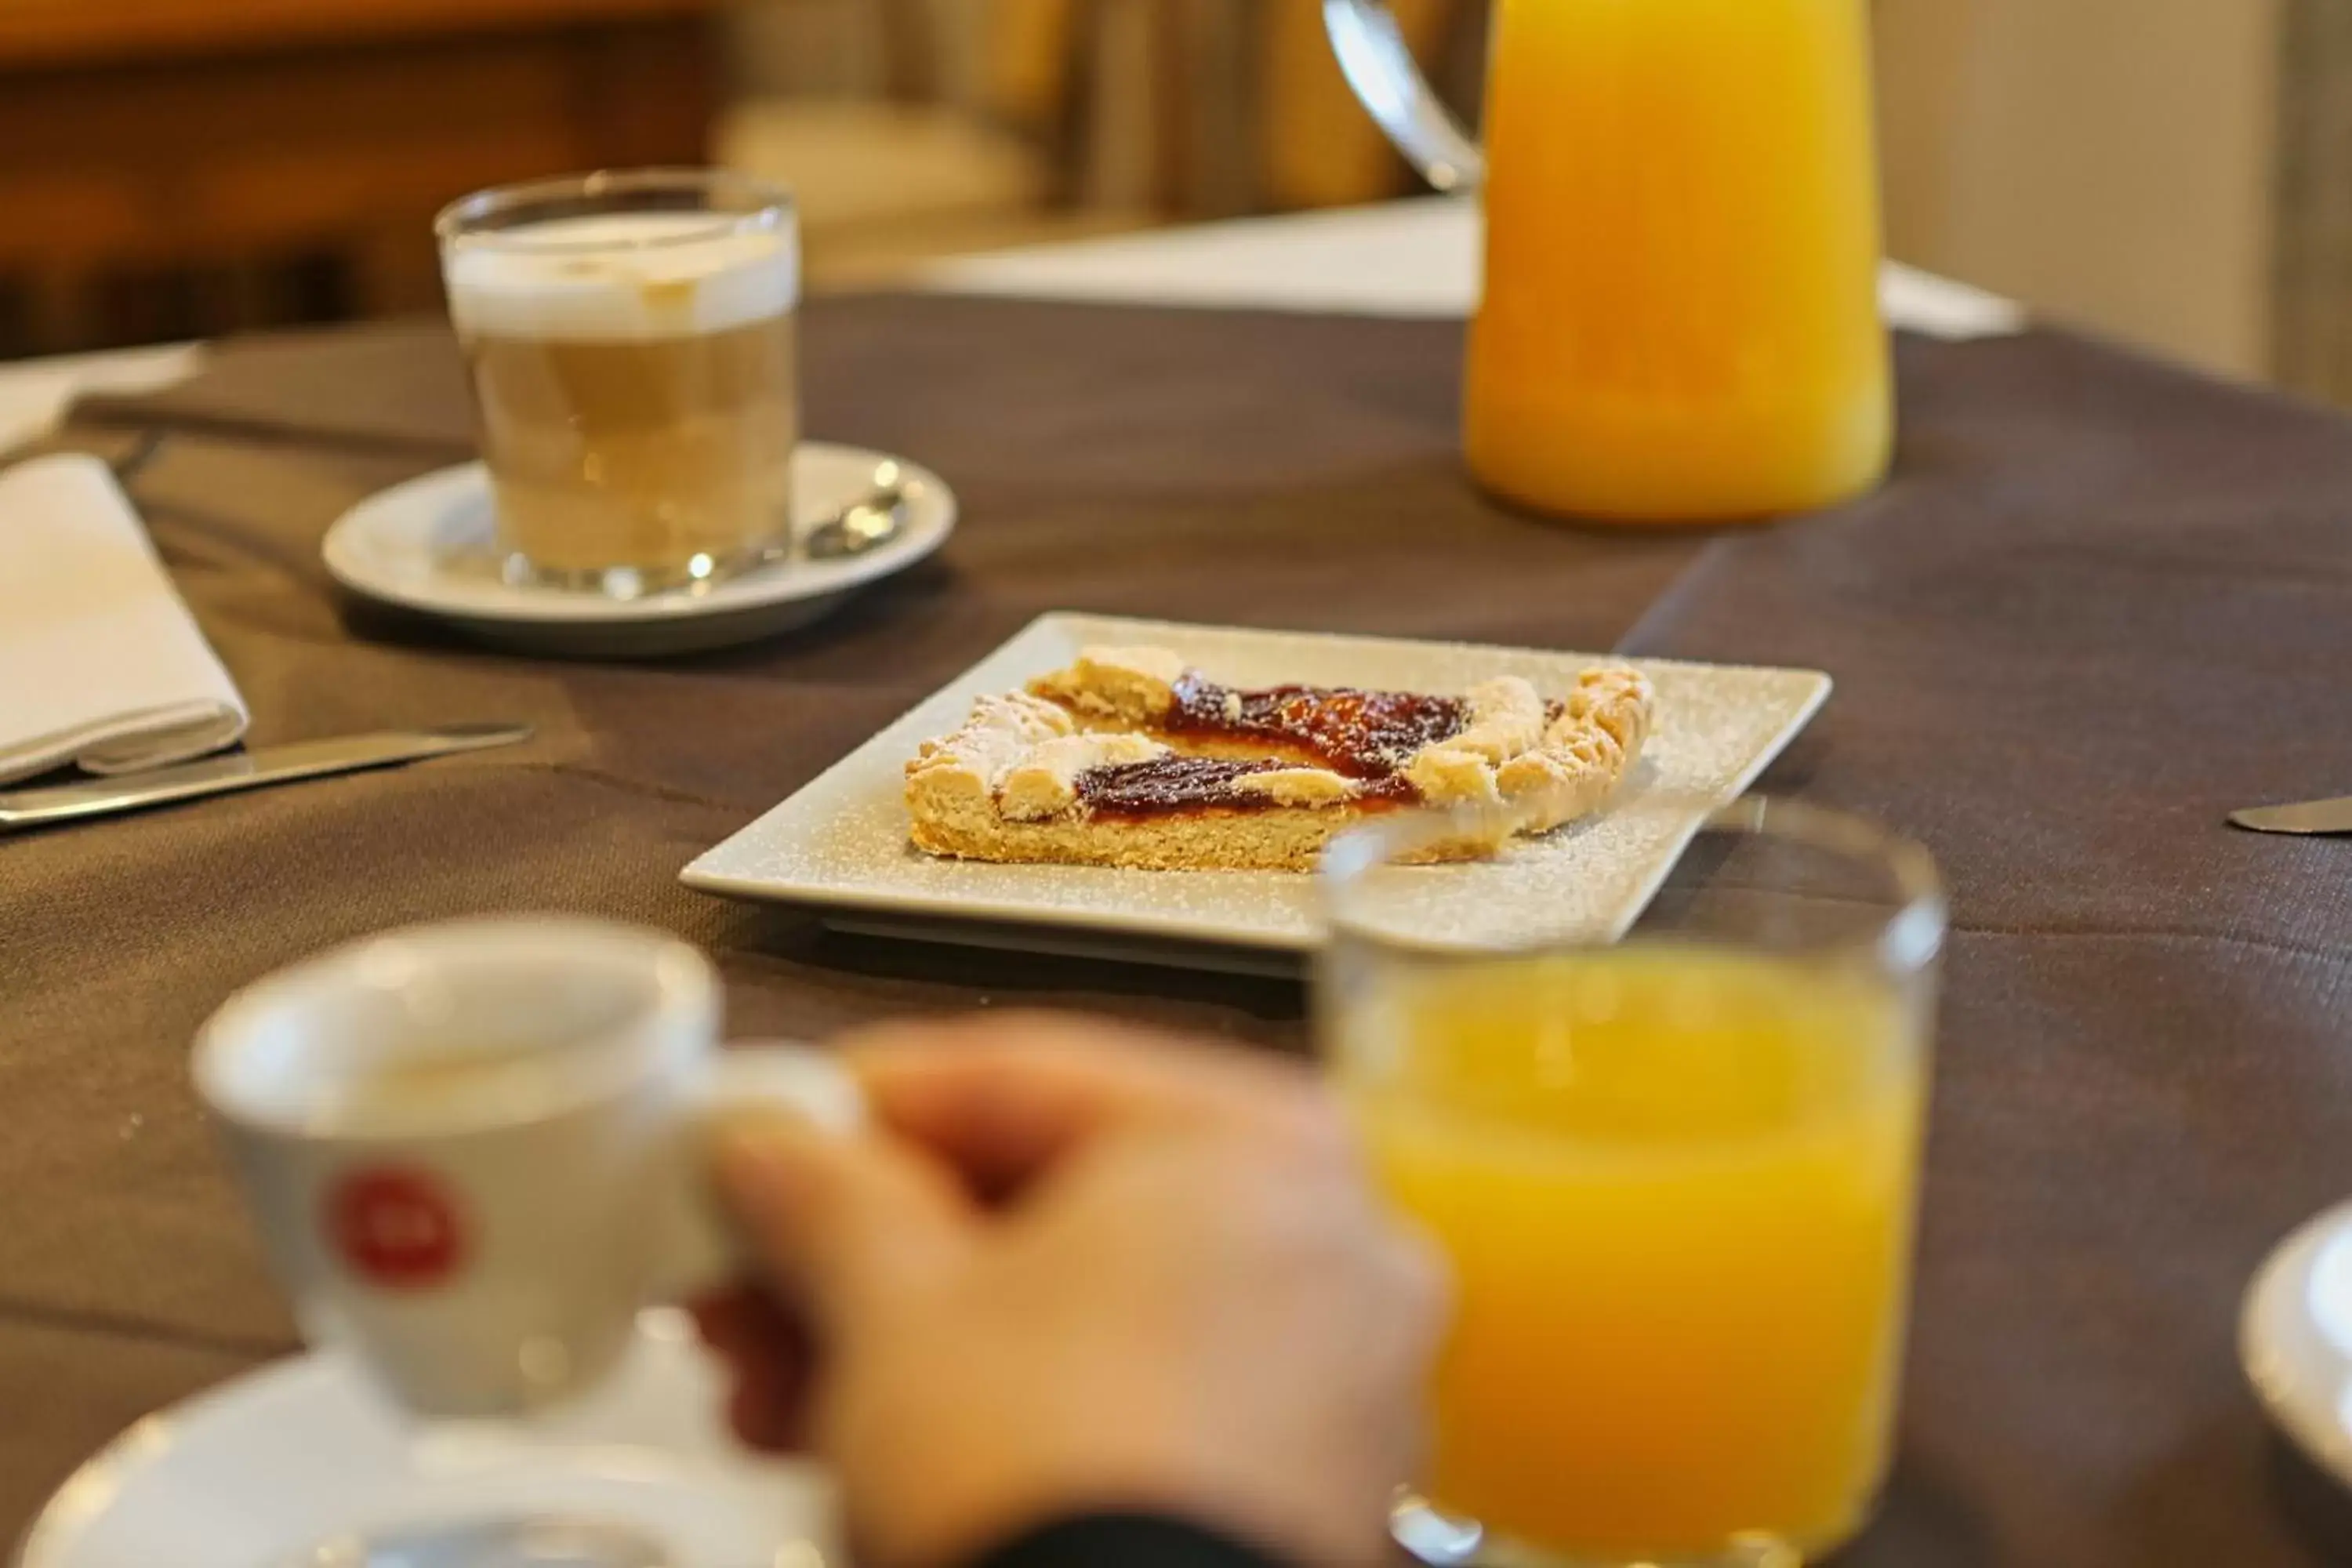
[476,1149]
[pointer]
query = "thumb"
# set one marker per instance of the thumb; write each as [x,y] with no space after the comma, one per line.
[838,1221]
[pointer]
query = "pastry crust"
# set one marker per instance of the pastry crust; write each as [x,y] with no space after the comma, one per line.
[1135,687]
[1128,758]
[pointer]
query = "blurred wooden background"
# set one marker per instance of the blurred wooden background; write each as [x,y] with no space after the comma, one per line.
[916,124]
[2175,171]
[180,168]
[173,168]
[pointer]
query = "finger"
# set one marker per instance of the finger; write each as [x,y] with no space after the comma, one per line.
[838,1223]
[747,1323]
[769,1419]
[768,1359]
[1003,1097]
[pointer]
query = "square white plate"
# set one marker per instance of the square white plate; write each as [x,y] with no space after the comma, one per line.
[841,842]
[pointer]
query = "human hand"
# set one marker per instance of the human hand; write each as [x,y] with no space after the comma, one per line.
[1080,1268]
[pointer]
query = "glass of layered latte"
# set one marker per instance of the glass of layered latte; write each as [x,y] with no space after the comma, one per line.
[630,339]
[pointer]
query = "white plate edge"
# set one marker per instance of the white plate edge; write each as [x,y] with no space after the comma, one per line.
[63,1514]
[1824,685]
[1644,661]
[2287,1268]
[746,597]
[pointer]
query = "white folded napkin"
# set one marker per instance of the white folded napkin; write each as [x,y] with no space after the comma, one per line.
[101,663]
[1419,257]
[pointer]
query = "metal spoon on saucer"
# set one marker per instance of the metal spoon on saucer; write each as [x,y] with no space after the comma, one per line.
[873,520]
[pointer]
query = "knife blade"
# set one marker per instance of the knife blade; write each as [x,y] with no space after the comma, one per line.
[2306,817]
[247,770]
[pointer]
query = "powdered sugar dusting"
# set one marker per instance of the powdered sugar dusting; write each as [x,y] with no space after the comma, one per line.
[841,840]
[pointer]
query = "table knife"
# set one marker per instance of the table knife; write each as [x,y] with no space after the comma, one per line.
[2311,817]
[247,770]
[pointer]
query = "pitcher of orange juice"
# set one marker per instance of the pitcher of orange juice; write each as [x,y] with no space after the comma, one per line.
[1681,317]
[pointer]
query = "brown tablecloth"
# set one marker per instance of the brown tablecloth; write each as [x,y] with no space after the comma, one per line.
[2102,601]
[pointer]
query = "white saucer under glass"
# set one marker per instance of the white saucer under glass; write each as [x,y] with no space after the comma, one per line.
[274,1469]
[427,546]
[2294,1339]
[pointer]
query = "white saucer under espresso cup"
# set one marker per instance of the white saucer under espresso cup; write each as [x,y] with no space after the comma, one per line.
[476,1149]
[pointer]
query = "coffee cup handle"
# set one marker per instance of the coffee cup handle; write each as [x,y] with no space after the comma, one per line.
[698,1245]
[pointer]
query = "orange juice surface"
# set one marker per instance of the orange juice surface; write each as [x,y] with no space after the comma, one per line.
[1677,1188]
[1681,317]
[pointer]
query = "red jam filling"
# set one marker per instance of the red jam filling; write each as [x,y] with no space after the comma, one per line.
[1365,736]
[1362,734]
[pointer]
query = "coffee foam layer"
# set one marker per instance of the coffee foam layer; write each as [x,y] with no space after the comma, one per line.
[621,277]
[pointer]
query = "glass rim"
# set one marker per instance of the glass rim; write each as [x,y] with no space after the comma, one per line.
[1909,936]
[672,992]
[764,205]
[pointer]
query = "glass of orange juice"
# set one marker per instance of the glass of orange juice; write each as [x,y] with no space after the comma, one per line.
[1681,315]
[1675,1176]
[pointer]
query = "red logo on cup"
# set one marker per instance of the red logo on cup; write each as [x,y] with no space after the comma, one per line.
[395,1226]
